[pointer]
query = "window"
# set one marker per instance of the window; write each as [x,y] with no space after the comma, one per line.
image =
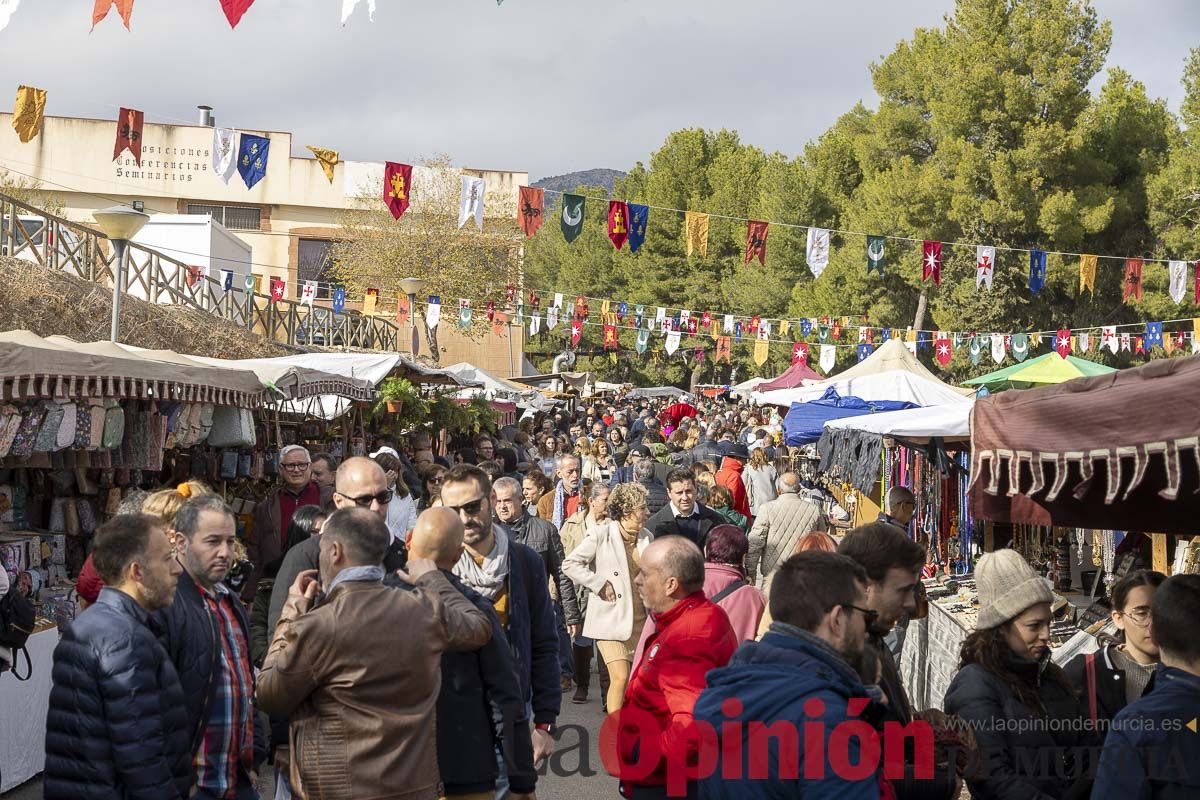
[315,257]
[236,218]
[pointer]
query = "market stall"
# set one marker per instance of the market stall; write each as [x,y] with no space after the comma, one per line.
[797,374]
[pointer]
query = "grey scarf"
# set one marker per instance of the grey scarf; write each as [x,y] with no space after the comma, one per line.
[488,579]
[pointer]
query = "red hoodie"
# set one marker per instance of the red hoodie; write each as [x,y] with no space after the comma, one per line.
[730,476]
[692,638]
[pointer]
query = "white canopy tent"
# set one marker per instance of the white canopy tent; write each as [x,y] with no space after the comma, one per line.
[951,421]
[746,388]
[495,387]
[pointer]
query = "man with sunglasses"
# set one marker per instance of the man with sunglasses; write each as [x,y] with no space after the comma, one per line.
[803,671]
[273,514]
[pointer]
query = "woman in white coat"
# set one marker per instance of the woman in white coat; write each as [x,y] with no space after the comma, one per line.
[607,562]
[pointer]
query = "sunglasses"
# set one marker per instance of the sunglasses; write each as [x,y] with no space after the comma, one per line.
[869,616]
[383,498]
[471,509]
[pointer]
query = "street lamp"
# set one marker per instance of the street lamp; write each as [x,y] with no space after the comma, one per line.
[119,224]
[412,287]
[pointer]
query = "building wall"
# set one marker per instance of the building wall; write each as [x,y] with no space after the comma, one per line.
[72,160]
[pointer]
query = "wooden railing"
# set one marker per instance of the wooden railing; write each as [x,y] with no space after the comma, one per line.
[78,250]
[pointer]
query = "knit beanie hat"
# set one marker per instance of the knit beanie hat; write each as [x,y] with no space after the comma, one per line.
[1007,586]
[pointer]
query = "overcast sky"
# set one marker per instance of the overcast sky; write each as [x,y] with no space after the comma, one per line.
[543,86]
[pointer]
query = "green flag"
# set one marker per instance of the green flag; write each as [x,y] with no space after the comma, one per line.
[572,216]
[875,254]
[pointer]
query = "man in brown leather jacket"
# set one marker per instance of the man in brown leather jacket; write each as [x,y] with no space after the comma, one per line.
[359,672]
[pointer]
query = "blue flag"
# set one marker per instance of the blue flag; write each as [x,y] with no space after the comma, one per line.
[805,326]
[252,158]
[864,351]
[884,334]
[1154,334]
[922,340]
[622,310]
[638,217]
[339,299]
[228,282]
[1037,270]
[737,331]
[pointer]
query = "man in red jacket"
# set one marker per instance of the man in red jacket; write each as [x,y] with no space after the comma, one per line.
[730,476]
[658,740]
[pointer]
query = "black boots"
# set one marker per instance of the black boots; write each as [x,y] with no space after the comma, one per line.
[582,663]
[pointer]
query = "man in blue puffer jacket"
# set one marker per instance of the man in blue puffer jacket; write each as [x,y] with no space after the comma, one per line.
[799,680]
[117,725]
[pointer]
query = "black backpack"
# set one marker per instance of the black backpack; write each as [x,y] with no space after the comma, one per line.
[16,625]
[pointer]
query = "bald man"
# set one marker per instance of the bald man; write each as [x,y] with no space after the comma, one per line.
[477,687]
[692,636]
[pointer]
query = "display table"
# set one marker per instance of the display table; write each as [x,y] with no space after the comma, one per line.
[929,659]
[23,734]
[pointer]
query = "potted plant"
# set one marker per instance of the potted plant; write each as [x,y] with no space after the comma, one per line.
[396,395]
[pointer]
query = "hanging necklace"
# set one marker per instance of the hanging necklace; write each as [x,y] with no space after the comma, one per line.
[1109,553]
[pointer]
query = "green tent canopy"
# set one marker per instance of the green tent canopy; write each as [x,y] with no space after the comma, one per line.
[1043,370]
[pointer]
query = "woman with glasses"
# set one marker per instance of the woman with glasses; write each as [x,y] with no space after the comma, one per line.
[607,563]
[1016,700]
[1118,673]
[431,485]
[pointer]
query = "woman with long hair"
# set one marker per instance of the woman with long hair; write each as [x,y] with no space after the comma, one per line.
[431,485]
[720,500]
[598,464]
[607,563]
[533,487]
[616,440]
[402,510]
[759,477]
[548,453]
[1016,700]
[593,505]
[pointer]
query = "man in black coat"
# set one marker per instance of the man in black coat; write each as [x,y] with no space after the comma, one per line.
[480,701]
[206,633]
[684,515]
[117,725]
[656,493]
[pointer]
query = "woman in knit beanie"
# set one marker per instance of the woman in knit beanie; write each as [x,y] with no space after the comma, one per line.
[1027,719]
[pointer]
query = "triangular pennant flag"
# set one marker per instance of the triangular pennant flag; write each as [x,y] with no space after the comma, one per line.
[234,9]
[309,293]
[643,340]
[471,204]
[1139,346]
[1020,346]
[817,250]
[370,300]
[875,245]
[998,348]
[723,350]
[1037,270]
[737,330]
[800,353]
[101,8]
[706,320]
[761,351]
[784,325]
[1133,280]
[227,279]
[639,316]
[696,232]
[29,107]
[348,7]
[805,326]
[129,132]
[1125,342]
[252,158]
[251,283]
[828,358]
[433,311]
[535,324]
[224,157]
[864,351]
[339,299]
[1085,341]
[1154,335]
[975,350]
[1168,344]
[403,310]
[931,261]
[639,217]
[756,242]
[571,221]
[278,286]
[1108,338]
[985,265]
[1178,273]
[618,223]
[943,351]
[552,317]
[672,343]
[533,204]
[464,313]
[1087,274]
[397,187]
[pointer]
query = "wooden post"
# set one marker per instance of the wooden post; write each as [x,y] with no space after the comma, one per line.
[1159,559]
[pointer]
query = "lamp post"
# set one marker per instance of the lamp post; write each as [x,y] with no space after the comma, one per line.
[119,224]
[411,287]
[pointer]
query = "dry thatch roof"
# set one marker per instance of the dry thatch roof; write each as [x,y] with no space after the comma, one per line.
[52,303]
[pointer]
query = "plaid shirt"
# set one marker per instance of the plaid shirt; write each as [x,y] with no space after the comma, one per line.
[228,741]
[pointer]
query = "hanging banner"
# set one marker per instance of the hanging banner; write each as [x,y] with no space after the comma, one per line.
[761,350]
[129,133]
[943,351]
[471,204]
[1085,342]
[1037,270]
[998,348]
[1178,272]
[339,299]
[252,158]
[643,340]
[756,242]
[817,250]
[723,352]
[535,324]
[1133,281]
[672,342]
[328,159]
[464,313]
[875,245]
[1087,274]
[864,351]
[309,293]
[610,337]
[618,223]
[695,224]
[931,263]
[370,300]
[1062,342]
[985,265]
[28,110]
[1108,338]
[499,323]
[800,353]
[572,216]
[278,286]
[348,7]
[552,317]
[397,186]
[1020,346]
[433,311]
[1154,335]
[828,358]
[234,9]
[251,283]
[227,280]
[974,350]
[403,310]
[576,332]
[491,310]
[533,203]
[639,216]
[224,153]
[7,9]
[101,8]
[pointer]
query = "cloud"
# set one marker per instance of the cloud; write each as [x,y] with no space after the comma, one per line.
[543,86]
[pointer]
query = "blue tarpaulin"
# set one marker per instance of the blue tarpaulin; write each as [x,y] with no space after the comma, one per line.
[805,421]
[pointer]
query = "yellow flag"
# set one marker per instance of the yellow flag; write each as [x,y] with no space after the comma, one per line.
[783,327]
[1196,327]
[604,305]
[761,346]
[1168,342]
[328,159]
[1087,274]
[369,305]
[911,336]
[27,112]
[696,224]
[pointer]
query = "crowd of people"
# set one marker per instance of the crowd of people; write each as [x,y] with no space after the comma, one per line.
[406,625]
